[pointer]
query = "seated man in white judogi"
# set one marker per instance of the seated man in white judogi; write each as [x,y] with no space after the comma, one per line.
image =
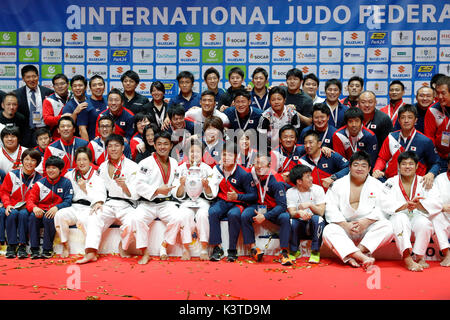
[441,221]
[354,215]
[409,207]
[194,190]
[117,194]
[155,180]
[85,182]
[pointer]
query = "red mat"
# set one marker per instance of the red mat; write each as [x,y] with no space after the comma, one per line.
[112,277]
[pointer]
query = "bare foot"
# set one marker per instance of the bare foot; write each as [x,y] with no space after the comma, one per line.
[122,252]
[66,251]
[423,263]
[204,255]
[145,258]
[367,263]
[186,254]
[411,265]
[446,261]
[353,263]
[91,256]
[163,253]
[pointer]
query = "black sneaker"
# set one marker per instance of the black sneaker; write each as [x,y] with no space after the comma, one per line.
[11,251]
[46,254]
[256,254]
[232,255]
[22,252]
[35,254]
[217,254]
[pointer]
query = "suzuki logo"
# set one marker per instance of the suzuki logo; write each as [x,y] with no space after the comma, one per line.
[282,53]
[97,53]
[189,53]
[74,36]
[354,36]
[212,37]
[401,69]
[305,69]
[258,36]
[378,52]
[119,69]
[142,86]
[235,53]
[165,37]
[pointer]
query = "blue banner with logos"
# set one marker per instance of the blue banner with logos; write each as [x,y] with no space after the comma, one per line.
[380,41]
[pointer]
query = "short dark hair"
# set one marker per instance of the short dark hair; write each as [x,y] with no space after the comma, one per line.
[109,117]
[408,155]
[96,76]
[311,76]
[230,146]
[287,127]
[295,72]
[260,70]
[152,126]
[236,70]
[114,137]
[351,113]
[312,133]
[277,89]
[66,118]
[335,82]
[83,149]
[158,85]
[214,122]
[322,107]
[407,107]
[435,78]
[242,93]
[55,162]
[443,80]
[10,130]
[176,110]
[28,68]
[78,77]
[185,74]
[116,91]
[10,94]
[132,75]
[60,76]
[208,93]
[41,131]
[209,71]
[356,78]
[163,135]
[141,116]
[33,153]
[359,155]
[298,172]
[397,82]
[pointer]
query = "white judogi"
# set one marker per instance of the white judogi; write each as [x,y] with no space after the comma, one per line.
[338,209]
[197,211]
[404,222]
[113,210]
[441,220]
[7,159]
[196,114]
[149,179]
[315,195]
[78,213]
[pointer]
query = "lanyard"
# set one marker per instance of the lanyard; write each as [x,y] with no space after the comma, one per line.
[410,141]
[79,175]
[262,193]
[290,158]
[324,135]
[67,154]
[402,189]
[118,167]
[164,175]
[160,119]
[34,175]
[239,122]
[16,163]
[334,115]
[265,102]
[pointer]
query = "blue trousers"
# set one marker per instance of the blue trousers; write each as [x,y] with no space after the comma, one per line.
[34,226]
[219,211]
[443,164]
[2,225]
[307,230]
[279,218]
[16,225]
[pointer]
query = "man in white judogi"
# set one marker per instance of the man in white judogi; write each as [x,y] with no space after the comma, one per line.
[441,221]
[155,179]
[197,209]
[353,214]
[409,207]
[85,182]
[118,198]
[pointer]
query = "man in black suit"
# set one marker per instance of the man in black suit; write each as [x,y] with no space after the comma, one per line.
[30,98]
[2,95]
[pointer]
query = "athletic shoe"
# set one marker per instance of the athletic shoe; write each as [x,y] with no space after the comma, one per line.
[35,254]
[22,252]
[314,257]
[294,255]
[232,255]
[257,254]
[217,254]
[11,251]
[285,260]
[46,254]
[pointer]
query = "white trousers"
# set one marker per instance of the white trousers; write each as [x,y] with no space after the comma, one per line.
[441,224]
[77,214]
[376,235]
[198,220]
[169,213]
[113,211]
[404,227]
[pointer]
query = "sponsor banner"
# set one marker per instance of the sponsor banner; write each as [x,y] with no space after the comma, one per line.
[143,39]
[330,55]
[143,55]
[212,39]
[48,71]
[401,54]
[354,54]
[96,69]
[377,71]
[377,54]
[28,38]
[212,56]
[116,71]
[145,72]
[97,55]
[51,55]
[306,39]
[119,55]
[351,70]
[74,39]
[7,85]
[97,39]
[71,70]
[51,39]
[354,38]
[259,55]
[166,56]
[282,39]
[306,55]
[189,56]
[402,37]
[8,54]
[235,55]
[8,38]
[189,39]
[259,39]
[401,71]
[120,39]
[283,55]
[307,68]
[235,39]
[74,55]
[166,39]
[166,72]
[28,54]
[329,71]
[8,71]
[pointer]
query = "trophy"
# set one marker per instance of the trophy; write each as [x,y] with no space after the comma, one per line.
[194,187]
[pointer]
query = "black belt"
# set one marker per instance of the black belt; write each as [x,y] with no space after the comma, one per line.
[159,200]
[121,199]
[82,201]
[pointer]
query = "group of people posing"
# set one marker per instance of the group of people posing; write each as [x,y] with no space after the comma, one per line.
[336,171]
